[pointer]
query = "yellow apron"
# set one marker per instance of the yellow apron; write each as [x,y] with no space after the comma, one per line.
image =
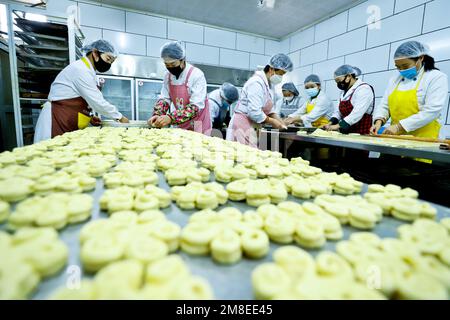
[83,120]
[403,104]
[319,122]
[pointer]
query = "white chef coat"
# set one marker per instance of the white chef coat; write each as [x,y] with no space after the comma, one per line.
[214,97]
[196,86]
[323,108]
[362,101]
[432,95]
[75,80]
[253,97]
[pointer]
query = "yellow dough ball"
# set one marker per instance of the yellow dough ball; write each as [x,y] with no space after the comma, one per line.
[146,249]
[192,288]
[296,262]
[4,211]
[255,243]
[226,247]
[269,280]
[420,286]
[100,251]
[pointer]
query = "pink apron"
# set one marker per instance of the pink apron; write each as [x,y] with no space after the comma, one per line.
[179,95]
[243,128]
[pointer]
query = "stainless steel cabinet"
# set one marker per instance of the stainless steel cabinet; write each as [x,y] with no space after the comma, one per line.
[119,92]
[147,93]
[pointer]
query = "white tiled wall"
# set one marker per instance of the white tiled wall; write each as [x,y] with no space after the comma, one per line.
[144,34]
[367,36]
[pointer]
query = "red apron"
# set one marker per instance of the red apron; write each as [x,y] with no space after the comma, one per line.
[346,107]
[69,115]
[179,95]
[243,128]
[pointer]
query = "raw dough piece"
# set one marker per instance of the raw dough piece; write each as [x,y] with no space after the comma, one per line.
[226,247]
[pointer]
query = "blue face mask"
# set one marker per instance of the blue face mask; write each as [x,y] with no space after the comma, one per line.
[312,92]
[409,73]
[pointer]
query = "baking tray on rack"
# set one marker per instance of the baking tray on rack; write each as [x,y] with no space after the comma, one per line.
[45,28]
[38,75]
[43,61]
[43,87]
[41,40]
[48,51]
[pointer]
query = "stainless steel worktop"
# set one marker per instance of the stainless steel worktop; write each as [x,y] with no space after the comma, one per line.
[228,282]
[434,154]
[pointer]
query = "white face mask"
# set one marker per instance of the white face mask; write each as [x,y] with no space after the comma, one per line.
[288,99]
[276,79]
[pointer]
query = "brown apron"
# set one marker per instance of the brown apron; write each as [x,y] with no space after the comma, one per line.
[69,115]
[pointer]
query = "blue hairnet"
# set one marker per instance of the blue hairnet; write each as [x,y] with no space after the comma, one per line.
[344,70]
[312,78]
[411,49]
[229,92]
[100,45]
[358,71]
[173,51]
[289,86]
[281,61]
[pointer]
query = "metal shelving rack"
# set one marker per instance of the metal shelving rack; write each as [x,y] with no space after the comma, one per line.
[38,51]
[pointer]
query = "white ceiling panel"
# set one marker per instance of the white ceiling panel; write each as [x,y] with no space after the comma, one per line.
[285,17]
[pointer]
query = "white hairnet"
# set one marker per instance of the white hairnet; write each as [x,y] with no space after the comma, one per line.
[344,70]
[229,92]
[411,49]
[289,86]
[100,45]
[173,51]
[312,78]
[281,61]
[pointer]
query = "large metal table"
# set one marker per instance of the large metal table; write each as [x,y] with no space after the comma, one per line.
[435,154]
[228,282]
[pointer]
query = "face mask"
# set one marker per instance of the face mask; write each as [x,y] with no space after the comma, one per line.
[276,79]
[288,99]
[343,85]
[312,92]
[409,73]
[101,65]
[176,71]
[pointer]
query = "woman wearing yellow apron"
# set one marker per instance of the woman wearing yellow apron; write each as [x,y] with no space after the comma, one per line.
[74,95]
[317,110]
[416,97]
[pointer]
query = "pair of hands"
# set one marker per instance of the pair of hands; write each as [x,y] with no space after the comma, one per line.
[276,123]
[395,129]
[288,121]
[159,121]
[331,127]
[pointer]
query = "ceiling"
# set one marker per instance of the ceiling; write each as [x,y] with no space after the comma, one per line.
[287,16]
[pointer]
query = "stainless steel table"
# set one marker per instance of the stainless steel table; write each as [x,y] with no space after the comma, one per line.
[434,154]
[228,282]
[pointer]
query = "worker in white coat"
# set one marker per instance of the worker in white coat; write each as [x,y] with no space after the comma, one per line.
[356,105]
[255,104]
[415,98]
[183,101]
[317,110]
[220,101]
[289,101]
[74,95]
